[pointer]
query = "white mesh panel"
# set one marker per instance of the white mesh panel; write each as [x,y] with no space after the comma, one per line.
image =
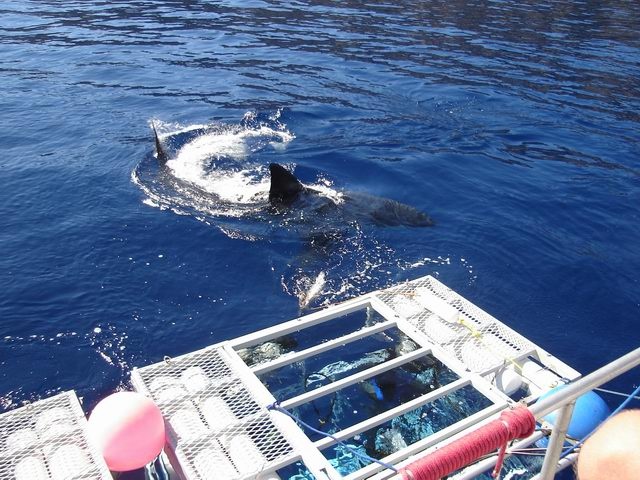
[477,339]
[47,440]
[215,427]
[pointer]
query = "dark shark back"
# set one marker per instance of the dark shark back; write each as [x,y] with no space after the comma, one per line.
[392,214]
[285,187]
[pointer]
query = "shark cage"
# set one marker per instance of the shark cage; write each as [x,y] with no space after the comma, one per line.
[354,391]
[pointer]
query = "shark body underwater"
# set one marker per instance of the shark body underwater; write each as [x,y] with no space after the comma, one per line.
[288,193]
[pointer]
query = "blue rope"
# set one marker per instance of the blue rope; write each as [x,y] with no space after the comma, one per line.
[620,407]
[276,406]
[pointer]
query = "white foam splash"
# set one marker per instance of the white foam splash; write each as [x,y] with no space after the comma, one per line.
[211,145]
[427,260]
[197,163]
[168,129]
[325,189]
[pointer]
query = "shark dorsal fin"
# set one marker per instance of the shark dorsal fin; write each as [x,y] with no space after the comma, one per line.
[285,187]
[160,153]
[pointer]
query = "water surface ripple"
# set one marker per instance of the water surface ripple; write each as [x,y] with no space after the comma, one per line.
[513,124]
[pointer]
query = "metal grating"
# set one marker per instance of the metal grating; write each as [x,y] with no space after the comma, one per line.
[477,339]
[215,426]
[47,440]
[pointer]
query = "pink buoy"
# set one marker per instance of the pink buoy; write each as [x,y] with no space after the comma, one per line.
[128,428]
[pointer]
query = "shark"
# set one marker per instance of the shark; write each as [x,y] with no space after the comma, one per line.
[199,172]
[287,192]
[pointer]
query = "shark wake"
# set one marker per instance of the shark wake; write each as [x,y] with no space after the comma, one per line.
[212,170]
[227,176]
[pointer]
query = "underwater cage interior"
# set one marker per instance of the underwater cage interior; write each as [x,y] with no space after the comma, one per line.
[368,396]
[379,378]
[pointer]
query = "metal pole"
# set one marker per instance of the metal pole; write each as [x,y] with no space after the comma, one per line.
[567,396]
[562,464]
[558,435]
[571,392]
[585,384]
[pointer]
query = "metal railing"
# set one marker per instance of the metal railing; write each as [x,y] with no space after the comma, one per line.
[562,401]
[566,398]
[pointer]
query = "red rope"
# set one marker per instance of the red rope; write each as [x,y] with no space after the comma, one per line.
[512,424]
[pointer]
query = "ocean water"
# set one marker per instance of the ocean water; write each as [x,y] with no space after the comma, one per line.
[514,125]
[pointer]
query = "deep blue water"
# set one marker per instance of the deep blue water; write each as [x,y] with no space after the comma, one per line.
[514,125]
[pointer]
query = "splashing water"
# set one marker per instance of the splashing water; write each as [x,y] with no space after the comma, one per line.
[217,174]
[212,170]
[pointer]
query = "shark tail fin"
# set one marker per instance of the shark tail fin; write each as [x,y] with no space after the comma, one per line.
[160,151]
[285,187]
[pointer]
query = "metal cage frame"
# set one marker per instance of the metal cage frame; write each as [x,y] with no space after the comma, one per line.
[188,389]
